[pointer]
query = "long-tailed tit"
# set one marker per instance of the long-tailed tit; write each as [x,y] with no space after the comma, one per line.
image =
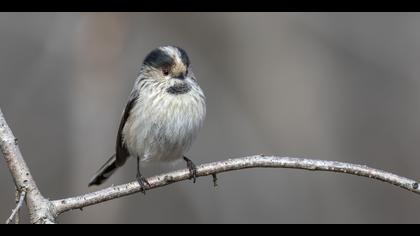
[163,115]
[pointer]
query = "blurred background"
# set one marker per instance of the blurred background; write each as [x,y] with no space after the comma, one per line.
[334,86]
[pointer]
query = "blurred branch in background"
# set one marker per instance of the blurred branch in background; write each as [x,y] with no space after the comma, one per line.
[46,211]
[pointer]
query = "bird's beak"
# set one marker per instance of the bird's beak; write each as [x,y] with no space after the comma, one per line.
[180,77]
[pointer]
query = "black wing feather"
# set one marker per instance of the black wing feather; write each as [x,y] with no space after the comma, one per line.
[121,150]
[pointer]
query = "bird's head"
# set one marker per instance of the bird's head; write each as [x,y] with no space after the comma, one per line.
[169,66]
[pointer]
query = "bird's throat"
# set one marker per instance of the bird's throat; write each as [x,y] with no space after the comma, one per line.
[179,88]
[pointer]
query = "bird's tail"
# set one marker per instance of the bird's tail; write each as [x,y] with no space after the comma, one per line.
[104,172]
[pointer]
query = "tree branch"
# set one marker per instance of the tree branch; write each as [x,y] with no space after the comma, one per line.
[39,207]
[42,210]
[258,161]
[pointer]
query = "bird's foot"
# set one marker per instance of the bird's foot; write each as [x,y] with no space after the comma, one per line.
[142,182]
[193,169]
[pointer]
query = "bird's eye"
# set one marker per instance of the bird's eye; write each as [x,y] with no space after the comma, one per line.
[165,71]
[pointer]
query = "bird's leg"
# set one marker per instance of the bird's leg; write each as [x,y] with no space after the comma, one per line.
[140,178]
[192,167]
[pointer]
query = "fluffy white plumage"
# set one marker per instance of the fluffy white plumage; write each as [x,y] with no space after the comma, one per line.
[161,125]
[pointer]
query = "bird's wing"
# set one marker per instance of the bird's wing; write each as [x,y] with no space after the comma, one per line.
[121,150]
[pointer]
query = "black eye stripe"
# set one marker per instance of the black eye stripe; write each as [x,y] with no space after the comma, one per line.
[159,59]
[184,56]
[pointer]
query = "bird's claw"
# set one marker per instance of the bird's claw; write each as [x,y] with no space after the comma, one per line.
[142,182]
[192,168]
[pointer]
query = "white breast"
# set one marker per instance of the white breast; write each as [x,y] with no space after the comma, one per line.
[162,126]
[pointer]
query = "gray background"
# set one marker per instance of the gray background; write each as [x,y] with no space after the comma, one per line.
[335,86]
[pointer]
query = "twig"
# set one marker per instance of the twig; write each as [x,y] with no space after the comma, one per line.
[215,184]
[231,165]
[18,206]
[17,216]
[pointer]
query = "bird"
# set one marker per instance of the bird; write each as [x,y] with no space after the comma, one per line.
[163,115]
